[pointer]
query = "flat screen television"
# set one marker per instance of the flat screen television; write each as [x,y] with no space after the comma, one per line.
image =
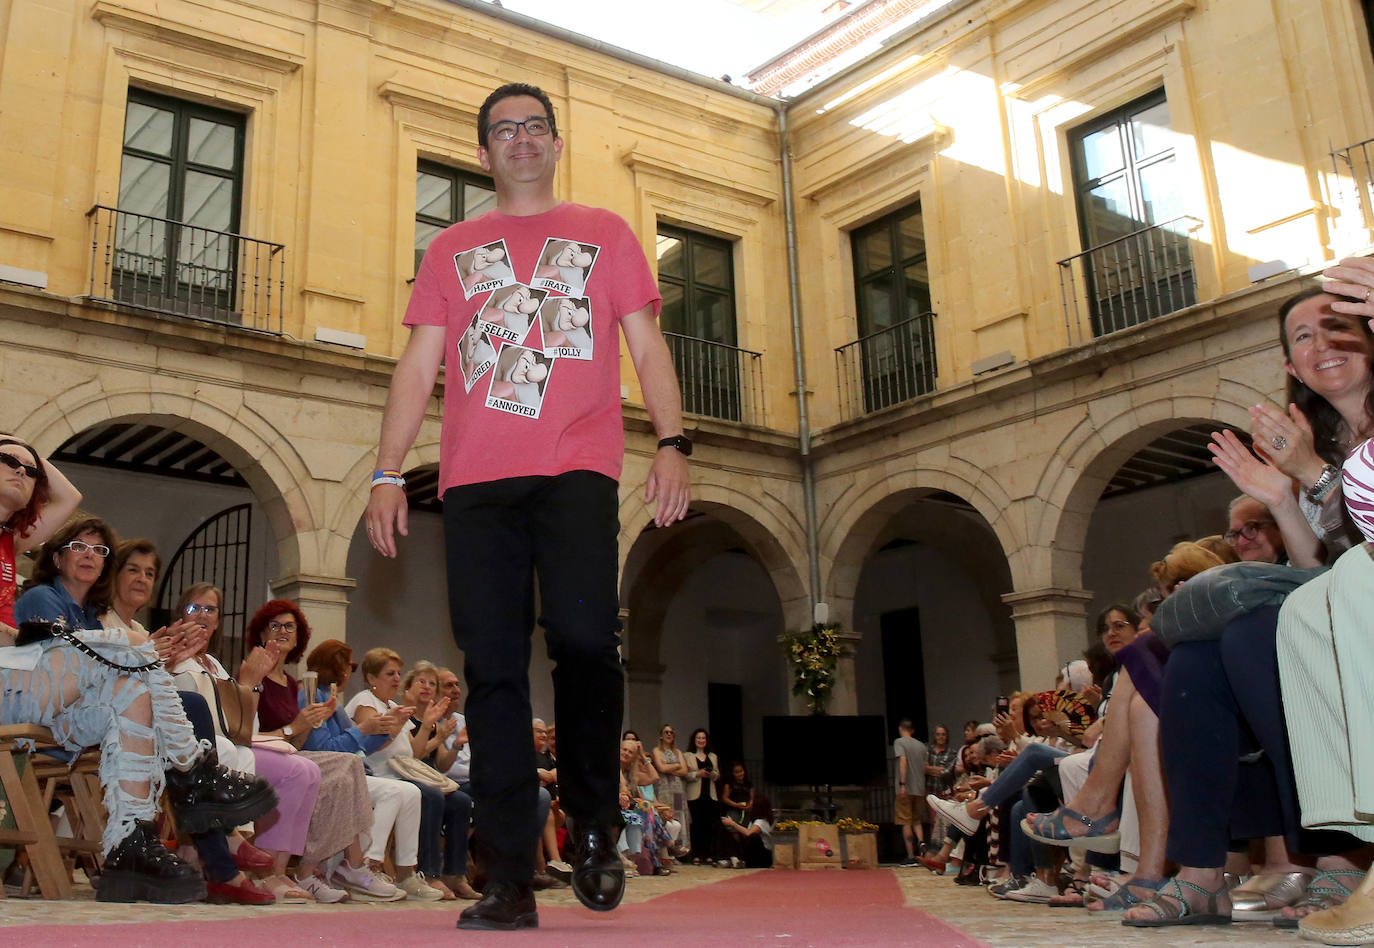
[816,749]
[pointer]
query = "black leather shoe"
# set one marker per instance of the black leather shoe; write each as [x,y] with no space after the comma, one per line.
[209,797]
[504,907]
[598,875]
[141,869]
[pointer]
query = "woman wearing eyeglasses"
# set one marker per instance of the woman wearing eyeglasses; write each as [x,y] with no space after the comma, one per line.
[339,812]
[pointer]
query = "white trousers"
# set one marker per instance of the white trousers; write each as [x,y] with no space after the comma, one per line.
[395,808]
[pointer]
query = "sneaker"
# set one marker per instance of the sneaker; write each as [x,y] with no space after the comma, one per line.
[909,863]
[559,870]
[415,887]
[955,813]
[1001,890]
[1034,890]
[363,883]
[736,862]
[320,890]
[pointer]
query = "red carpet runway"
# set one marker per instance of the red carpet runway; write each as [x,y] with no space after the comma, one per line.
[789,909]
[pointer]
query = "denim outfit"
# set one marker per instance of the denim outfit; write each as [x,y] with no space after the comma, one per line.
[99,713]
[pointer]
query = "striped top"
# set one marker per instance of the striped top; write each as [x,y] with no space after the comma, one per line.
[1357,487]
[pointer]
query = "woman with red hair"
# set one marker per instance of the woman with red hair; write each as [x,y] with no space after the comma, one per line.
[340,811]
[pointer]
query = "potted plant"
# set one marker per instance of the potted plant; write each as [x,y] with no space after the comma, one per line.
[815,654]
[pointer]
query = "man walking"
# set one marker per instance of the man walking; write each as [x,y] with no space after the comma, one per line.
[911,789]
[531,450]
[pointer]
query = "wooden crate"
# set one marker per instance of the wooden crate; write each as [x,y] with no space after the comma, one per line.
[785,853]
[859,850]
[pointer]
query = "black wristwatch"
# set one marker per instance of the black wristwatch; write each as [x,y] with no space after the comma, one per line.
[681,442]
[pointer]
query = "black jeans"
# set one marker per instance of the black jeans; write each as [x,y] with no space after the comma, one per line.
[498,536]
[444,821]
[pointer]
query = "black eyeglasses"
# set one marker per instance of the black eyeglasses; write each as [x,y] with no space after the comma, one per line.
[14,464]
[505,131]
[281,627]
[1250,529]
[99,549]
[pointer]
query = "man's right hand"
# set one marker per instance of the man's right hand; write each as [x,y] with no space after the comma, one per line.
[387,515]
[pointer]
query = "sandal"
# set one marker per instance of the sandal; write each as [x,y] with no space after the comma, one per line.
[285,891]
[1171,907]
[1103,836]
[1072,896]
[1122,897]
[1324,892]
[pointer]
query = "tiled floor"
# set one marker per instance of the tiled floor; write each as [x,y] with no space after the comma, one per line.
[1001,924]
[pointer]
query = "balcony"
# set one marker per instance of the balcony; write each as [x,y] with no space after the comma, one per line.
[1130,280]
[1354,189]
[170,267]
[887,367]
[718,380]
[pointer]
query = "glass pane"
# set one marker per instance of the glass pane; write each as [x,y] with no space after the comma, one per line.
[912,234]
[711,263]
[715,320]
[208,201]
[1151,132]
[874,251]
[876,309]
[143,186]
[424,233]
[673,317]
[433,196]
[148,129]
[1102,153]
[1159,188]
[211,143]
[1108,212]
[670,257]
[917,290]
[477,201]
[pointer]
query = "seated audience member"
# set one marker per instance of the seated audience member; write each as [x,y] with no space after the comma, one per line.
[135,717]
[460,771]
[136,566]
[1296,477]
[751,843]
[444,816]
[737,793]
[151,736]
[974,772]
[395,803]
[342,809]
[550,871]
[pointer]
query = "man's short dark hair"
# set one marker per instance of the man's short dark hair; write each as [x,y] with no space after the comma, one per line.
[906,724]
[508,91]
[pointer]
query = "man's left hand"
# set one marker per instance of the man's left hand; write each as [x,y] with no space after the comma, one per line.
[668,483]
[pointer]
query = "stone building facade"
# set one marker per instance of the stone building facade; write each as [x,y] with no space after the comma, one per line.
[957,443]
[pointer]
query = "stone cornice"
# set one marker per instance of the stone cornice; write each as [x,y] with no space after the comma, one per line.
[640,161]
[118,16]
[918,149]
[422,100]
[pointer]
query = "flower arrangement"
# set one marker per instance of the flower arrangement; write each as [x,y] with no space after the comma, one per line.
[815,654]
[851,825]
[786,826]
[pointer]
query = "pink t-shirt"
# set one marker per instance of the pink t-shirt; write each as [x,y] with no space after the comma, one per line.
[532,308]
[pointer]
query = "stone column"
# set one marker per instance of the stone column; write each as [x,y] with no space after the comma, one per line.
[1050,628]
[323,599]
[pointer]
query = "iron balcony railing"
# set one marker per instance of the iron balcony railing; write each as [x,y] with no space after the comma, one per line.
[718,380]
[1354,186]
[887,367]
[172,267]
[1124,282]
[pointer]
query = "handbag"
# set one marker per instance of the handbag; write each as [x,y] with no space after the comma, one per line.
[234,720]
[38,631]
[417,771]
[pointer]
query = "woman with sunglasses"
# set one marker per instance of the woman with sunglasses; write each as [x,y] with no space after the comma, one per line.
[78,688]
